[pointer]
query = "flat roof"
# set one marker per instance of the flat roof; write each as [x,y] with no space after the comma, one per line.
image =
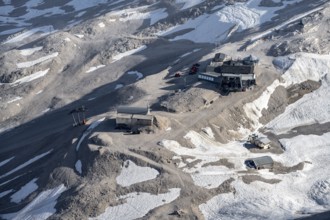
[132,110]
[264,160]
[212,74]
[145,117]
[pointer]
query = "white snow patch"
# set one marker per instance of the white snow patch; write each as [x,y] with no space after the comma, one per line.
[188,3]
[40,91]
[78,166]
[135,14]
[208,131]
[31,77]
[101,25]
[127,53]
[14,99]
[3,194]
[26,190]
[137,205]
[118,86]
[46,110]
[93,68]
[34,62]
[45,29]
[42,207]
[88,131]
[6,161]
[29,51]
[11,31]
[27,163]
[138,74]
[131,174]
[80,35]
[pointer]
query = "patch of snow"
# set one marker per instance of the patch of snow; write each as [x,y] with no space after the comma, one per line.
[127,53]
[29,51]
[4,193]
[131,174]
[26,190]
[188,3]
[27,163]
[137,205]
[45,29]
[14,99]
[138,74]
[88,131]
[40,91]
[31,77]
[208,131]
[46,110]
[101,25]
[80,14]
[90,99]
[93,68]
[78,166]
[130,98]
[34,62]
[67,39]
[80,35]
[42,207]
[168,129]
[4,183]
[11,31]
[118,86]
[79,5]
[6,161]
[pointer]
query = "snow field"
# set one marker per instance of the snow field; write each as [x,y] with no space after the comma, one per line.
[26,190]
[218,24]
[131,174]
[311,108]
[137,205]
[305,191]
[42,207]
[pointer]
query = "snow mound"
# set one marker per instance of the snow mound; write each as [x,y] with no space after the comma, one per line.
[138,74]
[131,174]
[320,192]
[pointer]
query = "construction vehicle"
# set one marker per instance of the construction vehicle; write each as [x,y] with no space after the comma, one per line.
[80,114]
[260,142]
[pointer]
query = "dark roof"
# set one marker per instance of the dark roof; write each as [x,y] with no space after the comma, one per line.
[235,67]
[260,161]
[132,110]
[219,57]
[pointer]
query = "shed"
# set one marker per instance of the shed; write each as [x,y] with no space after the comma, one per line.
[142,120]
[264,162]
[128,116]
